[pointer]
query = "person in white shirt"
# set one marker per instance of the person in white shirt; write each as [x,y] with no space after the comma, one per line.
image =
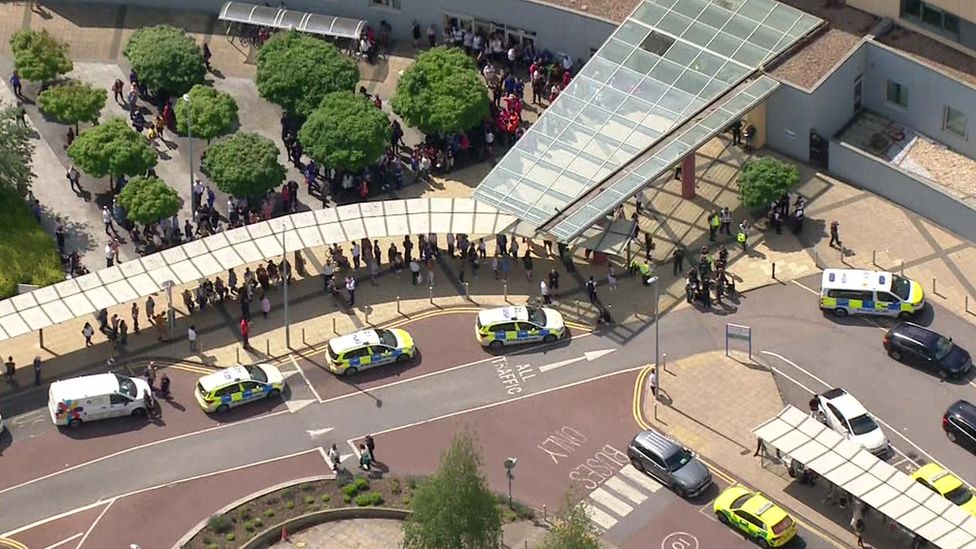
[191,336]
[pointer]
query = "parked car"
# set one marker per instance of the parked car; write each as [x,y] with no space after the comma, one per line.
[922,348]
[669,462]
[754,514]
[959,424]
[843,413]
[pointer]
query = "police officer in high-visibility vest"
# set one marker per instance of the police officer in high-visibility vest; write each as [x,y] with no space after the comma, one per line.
[643,268]
[740,237]
[714,222]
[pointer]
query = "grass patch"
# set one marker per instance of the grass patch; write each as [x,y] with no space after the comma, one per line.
[28,254]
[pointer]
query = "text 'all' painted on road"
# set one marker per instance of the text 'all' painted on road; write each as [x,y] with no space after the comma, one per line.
[513,377]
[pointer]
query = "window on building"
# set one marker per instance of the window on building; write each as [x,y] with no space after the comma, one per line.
[392,4]
[931,16]
[896,93]
[955,122]
[912,7]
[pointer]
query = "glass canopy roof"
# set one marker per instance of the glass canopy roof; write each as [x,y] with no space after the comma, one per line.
[280,18]
[665,64]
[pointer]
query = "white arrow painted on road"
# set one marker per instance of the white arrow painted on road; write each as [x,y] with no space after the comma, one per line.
[315,433]
[588,356]
[296,405]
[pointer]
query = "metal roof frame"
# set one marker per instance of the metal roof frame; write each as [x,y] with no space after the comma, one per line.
[280,18]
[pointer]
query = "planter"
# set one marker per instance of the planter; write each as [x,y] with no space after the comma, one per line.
[270,536]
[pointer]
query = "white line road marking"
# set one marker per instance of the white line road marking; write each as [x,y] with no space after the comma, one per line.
[614,483]
[315,433]
[296,405]
[805,287]
[600,517]
[65,540]
[95,522]
[141,447]
[588,356]
[641,479]
[453,368]
[307,382]
[610,502]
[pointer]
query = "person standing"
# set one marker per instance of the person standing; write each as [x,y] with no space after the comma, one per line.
[16,85]
[527,264]
[333,455]
[835,234]
[135,317]
[370,446]
[653,381]
[415,32]
[151,375]
[245,332]
[544,290]
[648,245]
[678,260]
[351,289]
[611,278]
[737,133]
[11,369]
[37,370]
[150,308]
[740,237]
[123,333]
[430,273]
[591,289]
[191,337]
[265,305]
[109,255]
[726,219]
[74,180]
[554,280]
[87,331]
[713,224]
[355,255]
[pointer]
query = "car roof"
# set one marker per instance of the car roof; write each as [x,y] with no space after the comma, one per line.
[342,344]
[760,506]
[941,478]
[855,279]
[82,387]
[963,408]
[502,314]
[224,377]
[657,442]
[845,403]
[919,334]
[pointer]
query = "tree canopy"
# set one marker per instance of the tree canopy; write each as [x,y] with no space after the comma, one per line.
[765,180]
[441,92]
[27,252]
[16,152]
[39,56]
[165,59]
[147,200]
[455,508]
[347,132]
[214,113]
[72,103]
[245,165]
[112,149]
[571,529]
[296,71]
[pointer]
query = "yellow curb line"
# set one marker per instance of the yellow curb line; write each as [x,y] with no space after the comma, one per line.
[643,424]
[12,544]
[194,369]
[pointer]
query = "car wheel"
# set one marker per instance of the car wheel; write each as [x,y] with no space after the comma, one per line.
[496,345]
[943,373]
[74,423]
[637,464]
[549,338]
[222,408]
[350,371]
[680,492]
[840,312]
[894,354]
[762,543]
[722,517]
[403,358]
[904,315]
[273,393]
[139,412]
[951,436]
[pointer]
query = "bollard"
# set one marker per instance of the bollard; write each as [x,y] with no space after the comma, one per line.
[430,293]
[303,337]
[577,309]
[664,365]
[934,292]
[967,303]
[774,270]
[267,346]
[40,337]
[902,267]
[336,332]
[466,291]
[816,259]
[505,292]
[238,349]
[545,517]
[366,313]
[874,257]
[398,306]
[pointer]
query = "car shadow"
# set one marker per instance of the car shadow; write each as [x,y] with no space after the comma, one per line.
[562,343]
[382,372]
[251,409]
[110,427]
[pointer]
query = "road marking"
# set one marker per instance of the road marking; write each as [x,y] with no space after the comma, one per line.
[141,447]
[192,369]
[496,404]
[12,544]
[65,540]
[315,433]
[641,479]
[626,490]
[805,287]
[598,516]
[611,502]
[296,405]
[588,356]
[302,373]
[451,369]
[95,523]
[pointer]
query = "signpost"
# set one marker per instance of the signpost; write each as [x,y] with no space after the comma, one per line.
[509,466]
[738,331]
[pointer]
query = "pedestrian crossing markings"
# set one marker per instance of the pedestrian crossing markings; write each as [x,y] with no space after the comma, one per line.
[608,504]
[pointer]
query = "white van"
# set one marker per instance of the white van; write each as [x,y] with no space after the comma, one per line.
[851,291]
[100,396]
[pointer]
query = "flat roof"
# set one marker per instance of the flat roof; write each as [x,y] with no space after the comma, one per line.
[670,61]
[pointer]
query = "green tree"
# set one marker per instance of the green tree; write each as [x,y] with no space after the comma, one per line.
[441,92]
[166,59]
[296,71]
[16,153]
[765,180]
[455,508]
[72,103]
[112,149]
[147,200]
[246,165]
[347,132]
[572,527]
[214,113]
[39,56]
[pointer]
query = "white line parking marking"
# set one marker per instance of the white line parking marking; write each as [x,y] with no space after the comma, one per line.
[626,490]
[609,501]
[598,516]
[307,382]
[95,523]
[641,479]
[65,540]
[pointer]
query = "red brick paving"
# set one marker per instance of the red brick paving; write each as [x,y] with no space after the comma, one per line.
[580,439]
[448,339]
[682,521]
[57,449]
[60,529]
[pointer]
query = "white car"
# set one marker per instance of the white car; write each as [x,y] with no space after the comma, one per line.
[840,411]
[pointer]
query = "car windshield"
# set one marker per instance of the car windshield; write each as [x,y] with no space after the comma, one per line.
[678,459]
[332,354]
[960,496]
[537,316]
[257,373]
[782,526]
[863,424]
[740,501]
[942,348]
[387,338]
[126,386]
[901,286]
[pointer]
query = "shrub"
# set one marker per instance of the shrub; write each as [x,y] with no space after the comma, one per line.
[218,524]
[309,500]
[257,522]
[765,180]
[230,536]
[372,498]
[211,545]
[287,493]
[346,498]
[269,513]
[244,512]
[326,498]
[395,487]
[405,499]
[361,484]
[290,504]
[307,486]
[248,526]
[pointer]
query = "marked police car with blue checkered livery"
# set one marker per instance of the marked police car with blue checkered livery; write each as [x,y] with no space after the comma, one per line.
[496,328]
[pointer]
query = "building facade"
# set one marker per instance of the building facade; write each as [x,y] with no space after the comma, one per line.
[951,21]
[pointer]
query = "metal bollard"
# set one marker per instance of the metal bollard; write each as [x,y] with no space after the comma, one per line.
[40,337]
[430,293]
[874,257]
[902,267]
[505,292]
[267,346]
[366,313]
[816,259]
[303,337]
[336,332]
[934,292]
[967,303]
[466,291]
[398,306]
[545,517]
[774,270]
[238,349]
[577,309]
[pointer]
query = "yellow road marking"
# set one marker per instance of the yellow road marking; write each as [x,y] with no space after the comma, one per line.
[12,544]
[192,369]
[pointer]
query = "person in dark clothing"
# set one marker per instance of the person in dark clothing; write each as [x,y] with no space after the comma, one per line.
[737,132]
[591,289]
[678,259]
[102,318]
[835,234]
[553,280]
[371,446]
[37,370]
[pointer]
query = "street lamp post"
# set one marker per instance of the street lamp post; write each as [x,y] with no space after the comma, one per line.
[509,467]
[657,337]
[189,143]
[285,275]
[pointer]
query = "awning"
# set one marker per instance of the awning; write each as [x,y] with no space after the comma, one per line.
[876,483]
[279,18]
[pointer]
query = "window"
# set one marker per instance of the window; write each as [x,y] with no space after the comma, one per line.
[912,7]
[118,399]
[507,327]
[897,94]
[931,16]
[252,386]
[228,390]
[955,122]
[391,4]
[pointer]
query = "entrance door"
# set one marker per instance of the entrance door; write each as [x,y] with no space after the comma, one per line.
[818,150]
[858,86]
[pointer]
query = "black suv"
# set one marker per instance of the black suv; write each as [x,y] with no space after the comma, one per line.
[925,349]
[959,424]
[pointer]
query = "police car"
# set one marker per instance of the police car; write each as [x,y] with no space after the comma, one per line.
[496,328]
[230,387]
[851,291]
[351,353]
